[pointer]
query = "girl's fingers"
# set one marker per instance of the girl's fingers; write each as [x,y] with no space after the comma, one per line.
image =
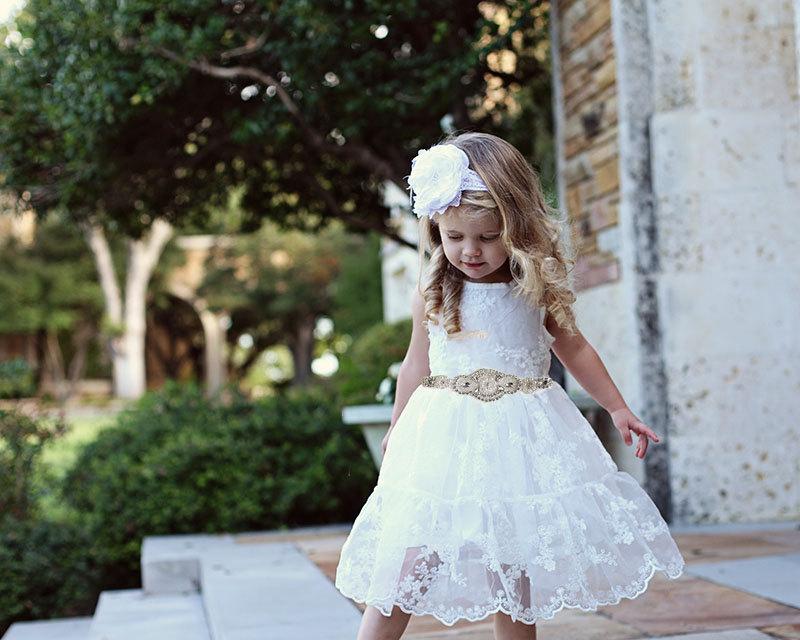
[641,427]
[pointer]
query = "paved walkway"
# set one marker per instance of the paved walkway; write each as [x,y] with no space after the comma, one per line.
[742,582]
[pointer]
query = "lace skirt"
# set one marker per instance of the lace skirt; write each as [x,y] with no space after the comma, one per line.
[512,505]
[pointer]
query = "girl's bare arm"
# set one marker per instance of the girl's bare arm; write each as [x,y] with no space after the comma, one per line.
[584,363]
[415,365]
[578,355]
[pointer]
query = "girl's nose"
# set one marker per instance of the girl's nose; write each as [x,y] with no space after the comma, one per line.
[472,251]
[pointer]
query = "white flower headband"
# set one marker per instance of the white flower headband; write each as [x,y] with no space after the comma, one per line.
[438,176]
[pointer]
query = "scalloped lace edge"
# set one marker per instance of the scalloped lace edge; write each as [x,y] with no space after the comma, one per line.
[547,616]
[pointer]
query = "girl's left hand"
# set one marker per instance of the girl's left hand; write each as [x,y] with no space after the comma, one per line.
[625,422]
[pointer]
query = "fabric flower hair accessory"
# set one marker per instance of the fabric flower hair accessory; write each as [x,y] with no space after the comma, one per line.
[438,176]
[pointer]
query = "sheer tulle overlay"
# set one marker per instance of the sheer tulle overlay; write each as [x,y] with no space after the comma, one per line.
[509,505]
[512,505]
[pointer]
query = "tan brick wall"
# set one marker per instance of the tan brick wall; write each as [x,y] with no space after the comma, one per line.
[590,168]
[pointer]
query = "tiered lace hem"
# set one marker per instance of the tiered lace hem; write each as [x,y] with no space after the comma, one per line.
[634,590]
[529,557]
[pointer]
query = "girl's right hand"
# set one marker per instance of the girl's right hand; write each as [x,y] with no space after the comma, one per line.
[385,440]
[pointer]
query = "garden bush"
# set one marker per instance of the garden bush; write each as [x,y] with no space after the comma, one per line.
[47,567]
[366,362]
[17,379]
[22,438]
[177,462]
[47,570]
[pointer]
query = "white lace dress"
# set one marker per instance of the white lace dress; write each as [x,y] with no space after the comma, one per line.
[507,505]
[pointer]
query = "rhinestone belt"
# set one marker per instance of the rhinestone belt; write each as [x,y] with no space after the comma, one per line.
[487,384]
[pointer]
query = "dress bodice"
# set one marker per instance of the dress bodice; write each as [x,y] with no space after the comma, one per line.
[499,331]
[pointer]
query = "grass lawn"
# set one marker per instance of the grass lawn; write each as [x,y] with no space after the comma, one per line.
[59,455]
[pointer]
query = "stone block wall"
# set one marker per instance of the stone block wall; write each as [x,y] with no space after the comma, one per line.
[725,149]
[696,326]
[589,149]
[587,136]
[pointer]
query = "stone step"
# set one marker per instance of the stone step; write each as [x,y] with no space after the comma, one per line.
[58,629]
[171,564]
[264,591]
[214,587]
[130,614]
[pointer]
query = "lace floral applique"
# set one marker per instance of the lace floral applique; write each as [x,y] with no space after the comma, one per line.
[476,303]
[528,360]
[473,468]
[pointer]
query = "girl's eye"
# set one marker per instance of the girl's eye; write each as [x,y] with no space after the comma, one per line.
[485,239]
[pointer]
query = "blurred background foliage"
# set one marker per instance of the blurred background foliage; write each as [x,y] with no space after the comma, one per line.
[274,127]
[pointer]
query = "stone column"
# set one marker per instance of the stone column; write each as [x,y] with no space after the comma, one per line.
[725,158]
[639,228]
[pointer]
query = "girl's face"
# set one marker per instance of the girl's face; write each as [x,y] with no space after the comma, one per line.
[473,246]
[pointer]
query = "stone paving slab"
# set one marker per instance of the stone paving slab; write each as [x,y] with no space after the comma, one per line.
[62,629]
[129,614]
[784,631]
[569,624]
[171,564]
[773,577]
[260,591]
[734,634]
[688,605]
[708,547]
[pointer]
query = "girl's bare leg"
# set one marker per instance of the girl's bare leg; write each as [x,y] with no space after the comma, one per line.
[506,629]
[376,626]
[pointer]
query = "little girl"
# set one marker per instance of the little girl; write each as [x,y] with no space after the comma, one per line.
[495,495]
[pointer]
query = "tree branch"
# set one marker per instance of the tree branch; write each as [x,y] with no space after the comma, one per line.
[358,153]
[251,46]
[96,238]
[355,221]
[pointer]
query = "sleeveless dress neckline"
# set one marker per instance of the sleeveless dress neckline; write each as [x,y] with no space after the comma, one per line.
[486,285]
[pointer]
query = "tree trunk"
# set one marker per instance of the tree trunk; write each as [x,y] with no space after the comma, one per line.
[302,348]
[54,363]
[126,343]
[81,340]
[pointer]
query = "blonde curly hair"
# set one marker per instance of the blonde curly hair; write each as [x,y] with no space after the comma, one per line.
[539,260]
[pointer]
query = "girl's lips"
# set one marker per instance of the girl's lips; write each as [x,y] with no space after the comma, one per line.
[473,265]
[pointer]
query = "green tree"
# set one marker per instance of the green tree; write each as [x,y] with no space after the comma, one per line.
[146,109]
[275,284]
[49,288]
[140,116]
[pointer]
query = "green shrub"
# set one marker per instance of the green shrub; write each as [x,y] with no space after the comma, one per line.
[366,362]
[22,439]
[46,567]
[178,463]
[47,570]
[16,379]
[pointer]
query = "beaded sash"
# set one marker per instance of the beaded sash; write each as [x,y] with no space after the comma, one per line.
[487,384]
